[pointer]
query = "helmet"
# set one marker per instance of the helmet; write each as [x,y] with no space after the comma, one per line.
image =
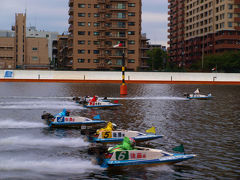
[132,142]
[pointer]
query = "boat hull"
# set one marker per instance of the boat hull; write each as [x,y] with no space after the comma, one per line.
[103,106]
[165,160]
[118,140]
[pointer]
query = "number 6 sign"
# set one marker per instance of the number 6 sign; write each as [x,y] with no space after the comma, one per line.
[122,155]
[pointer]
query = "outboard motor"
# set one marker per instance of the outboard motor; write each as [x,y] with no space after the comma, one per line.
[47,116]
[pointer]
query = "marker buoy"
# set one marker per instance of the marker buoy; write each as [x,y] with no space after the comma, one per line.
[123,89]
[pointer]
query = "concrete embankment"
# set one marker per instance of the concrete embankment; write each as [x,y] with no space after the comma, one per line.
[115,77]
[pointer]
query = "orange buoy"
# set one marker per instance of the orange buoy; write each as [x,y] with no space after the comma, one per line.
[123,89]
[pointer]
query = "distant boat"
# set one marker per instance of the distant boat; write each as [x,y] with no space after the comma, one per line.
[101,104]
[197,95]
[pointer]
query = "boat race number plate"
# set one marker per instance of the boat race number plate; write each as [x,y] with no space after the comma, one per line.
[107,134]
[122,155]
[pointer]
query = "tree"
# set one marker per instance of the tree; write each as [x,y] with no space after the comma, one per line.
[228,62]
[157,60]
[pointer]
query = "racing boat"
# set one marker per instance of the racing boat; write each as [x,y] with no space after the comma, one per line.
[142,156]
[108,135]
[86,99]
[101,104]
[199,96]
[127,154]
[63,119]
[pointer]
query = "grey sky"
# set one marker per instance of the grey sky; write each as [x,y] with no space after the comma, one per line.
[52,15]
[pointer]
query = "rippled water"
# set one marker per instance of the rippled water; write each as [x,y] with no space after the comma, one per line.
[210,129]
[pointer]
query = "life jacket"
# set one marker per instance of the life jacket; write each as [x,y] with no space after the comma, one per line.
[126,145]
[109,127]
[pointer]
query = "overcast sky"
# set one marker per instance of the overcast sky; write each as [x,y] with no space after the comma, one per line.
[52,15]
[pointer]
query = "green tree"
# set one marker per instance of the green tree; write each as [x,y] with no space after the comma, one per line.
[228,62]
[157,60]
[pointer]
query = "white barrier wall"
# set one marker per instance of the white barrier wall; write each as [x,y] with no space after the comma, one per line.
[116,75]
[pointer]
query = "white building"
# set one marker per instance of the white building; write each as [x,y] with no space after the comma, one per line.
[51,36]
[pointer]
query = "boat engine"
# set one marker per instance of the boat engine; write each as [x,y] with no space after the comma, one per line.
[47,116]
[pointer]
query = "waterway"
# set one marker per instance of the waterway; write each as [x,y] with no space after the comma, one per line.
[208,128]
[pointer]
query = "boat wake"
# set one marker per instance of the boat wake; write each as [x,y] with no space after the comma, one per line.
[44,142]
[49,166]
[13,124]
[148,98]
[40,105]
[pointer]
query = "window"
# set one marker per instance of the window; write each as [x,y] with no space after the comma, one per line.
[89,33]
[81,23]
[131,52]
[96,24]
[89,5]
[47,35]
[96,33]
[81,14]
[89,24]
[81,32]
[81,51]
[81,42]
[131,4]
[96,5]
[121,15]
[131,42]
[131,14]
[96,43]
[34,49]
[230,15]
[81,60]
[81,5]
[230,6]
[96,15]
[89,60]
[89,51]
[89,42]
[89,14]
[131,23]
[229,24]
[96,60]
[95,51]
[131,61]
[131,32]
[34,58]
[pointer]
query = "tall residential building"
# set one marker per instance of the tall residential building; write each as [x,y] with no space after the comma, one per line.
[96,26]
[201,27]
[25,48]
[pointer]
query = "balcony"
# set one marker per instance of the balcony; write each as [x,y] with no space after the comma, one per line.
[102,10]
[101,37]
[237,10]
[115,17]
[70,29]
[70,20]
[117,36]
[118,27]
[237,1]
[70,11]
[118,0]
[70,3]
[116,8]
[101,28]
[101,1]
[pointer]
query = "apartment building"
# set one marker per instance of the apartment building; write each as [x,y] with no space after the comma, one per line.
[21,50]
[96,26]
[204,26]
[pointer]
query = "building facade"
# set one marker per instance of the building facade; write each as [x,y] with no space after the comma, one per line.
[201,27]
[23,48]
[96,26]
